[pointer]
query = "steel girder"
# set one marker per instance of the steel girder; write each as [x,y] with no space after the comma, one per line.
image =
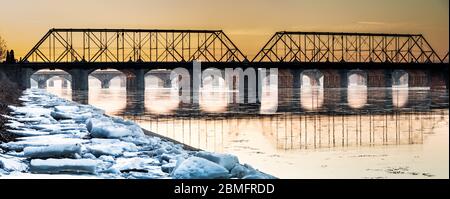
[347,47]
[134,45]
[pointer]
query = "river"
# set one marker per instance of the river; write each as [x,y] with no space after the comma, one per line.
[310,132]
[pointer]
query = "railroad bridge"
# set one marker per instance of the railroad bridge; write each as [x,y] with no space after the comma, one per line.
[328,59]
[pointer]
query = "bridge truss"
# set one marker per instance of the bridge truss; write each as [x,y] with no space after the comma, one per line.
[347,47]
[134,45]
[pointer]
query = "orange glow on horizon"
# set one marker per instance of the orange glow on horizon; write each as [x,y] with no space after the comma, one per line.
[249,24]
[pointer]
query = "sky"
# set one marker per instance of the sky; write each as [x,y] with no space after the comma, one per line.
[249,23]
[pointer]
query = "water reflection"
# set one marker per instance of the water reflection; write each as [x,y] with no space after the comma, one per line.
[161,101]
[313,115]
[311,98]
[290,131]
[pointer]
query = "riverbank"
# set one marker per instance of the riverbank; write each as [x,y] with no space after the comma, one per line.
[59,139]
[9,95]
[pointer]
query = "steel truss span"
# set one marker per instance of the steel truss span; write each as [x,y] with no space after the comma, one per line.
[134,45]
[347,47]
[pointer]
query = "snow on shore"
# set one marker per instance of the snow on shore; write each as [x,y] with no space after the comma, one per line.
[63,139]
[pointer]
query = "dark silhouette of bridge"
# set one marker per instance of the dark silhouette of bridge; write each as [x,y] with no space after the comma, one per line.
[134,52]
[104,76]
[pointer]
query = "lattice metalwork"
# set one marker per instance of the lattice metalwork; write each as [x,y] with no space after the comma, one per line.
[134,45]
[347,47]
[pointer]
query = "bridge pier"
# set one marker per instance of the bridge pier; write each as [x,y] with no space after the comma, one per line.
[42,83]
[135,103]
[343,77]
[105,79]
[51,83]
[388,78]
[135,79]
[296,86]
[376,78]
[331,78]
[80,79]
[64,83]
[79,96]
[105,83]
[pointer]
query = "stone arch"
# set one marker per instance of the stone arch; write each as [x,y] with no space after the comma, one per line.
[65,79]
[400,78]
[357,78]
[43,75]
[158,79]
[312,78]
[213,78]
[106,76]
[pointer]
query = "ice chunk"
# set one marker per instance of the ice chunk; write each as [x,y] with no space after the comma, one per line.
[134,164]
[168,168]
[67,109]
[239,171]
[61,115]
[45,140]
[14,124]
[83,117]
[107,158]
[153,172]
[88,156]
[32,119]
[10,164]
[46,127]
[199,168]
[28,132]
[31,111]
[111,147]
[226,160]
[106,128]
[57,151]
[64,166]
[137,140]
[248,172]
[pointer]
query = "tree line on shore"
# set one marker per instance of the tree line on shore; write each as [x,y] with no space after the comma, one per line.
[9,92]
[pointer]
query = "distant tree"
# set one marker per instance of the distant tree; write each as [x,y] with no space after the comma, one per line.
[2,48]
[11,56]
[7,56]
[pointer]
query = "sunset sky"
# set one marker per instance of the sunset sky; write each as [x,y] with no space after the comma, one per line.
[249,23]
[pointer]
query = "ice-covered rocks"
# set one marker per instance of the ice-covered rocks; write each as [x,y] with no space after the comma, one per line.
[64,166]
[227,161]
[61,115]
[199,168]
[70,109]
[31,111]
[105,127]
[46,140]
[247,172]
[59,137]
[53,151]
[9,164]
[111,147]
[135,164]
[27,132]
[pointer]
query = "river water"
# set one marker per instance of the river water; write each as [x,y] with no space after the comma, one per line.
[309,132]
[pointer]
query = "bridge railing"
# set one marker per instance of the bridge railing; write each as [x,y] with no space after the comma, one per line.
[133,45]
[347,47]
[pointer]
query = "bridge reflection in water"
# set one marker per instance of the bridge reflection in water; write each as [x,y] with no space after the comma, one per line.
[291,131]
[305,109]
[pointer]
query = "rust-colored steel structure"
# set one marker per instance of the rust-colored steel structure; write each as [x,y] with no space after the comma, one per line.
[134,45]
[214,46]
[347,47]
